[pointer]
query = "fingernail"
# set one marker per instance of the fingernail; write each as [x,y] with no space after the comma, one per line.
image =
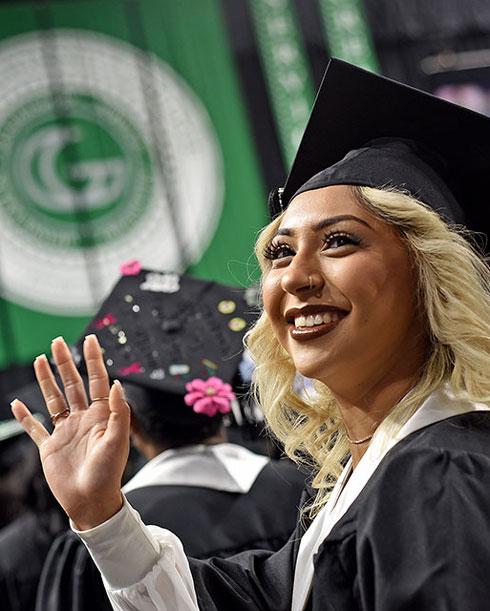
[90,336]
[41,357]
[121,388]
[58,339]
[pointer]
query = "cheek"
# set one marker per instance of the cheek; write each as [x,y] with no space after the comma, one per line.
[360,281]
[272,295]
[387,294]
[369,283]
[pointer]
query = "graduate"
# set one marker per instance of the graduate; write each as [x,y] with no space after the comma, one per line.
[371,289]
[176,343]
[37,519]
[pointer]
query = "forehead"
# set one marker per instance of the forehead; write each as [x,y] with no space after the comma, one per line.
[313,206]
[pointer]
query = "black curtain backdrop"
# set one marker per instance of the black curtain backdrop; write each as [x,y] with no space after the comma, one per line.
[405,33]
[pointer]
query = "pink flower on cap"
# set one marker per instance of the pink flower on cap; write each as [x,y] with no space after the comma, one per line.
[130,268]
[209,396]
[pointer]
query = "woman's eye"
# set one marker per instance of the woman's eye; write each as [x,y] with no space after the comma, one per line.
[277,251]
[337,240]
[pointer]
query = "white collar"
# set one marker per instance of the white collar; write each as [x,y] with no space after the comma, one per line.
[441,404]
[224,466]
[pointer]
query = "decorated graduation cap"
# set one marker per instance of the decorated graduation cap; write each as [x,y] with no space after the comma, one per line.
[165,333]
[368,130]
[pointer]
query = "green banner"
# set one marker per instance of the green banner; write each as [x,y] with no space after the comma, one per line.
[286,69]
[122,135]
[348,34]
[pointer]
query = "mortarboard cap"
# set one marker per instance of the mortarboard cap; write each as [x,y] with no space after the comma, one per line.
[159,331]
[393,135]
[31,395]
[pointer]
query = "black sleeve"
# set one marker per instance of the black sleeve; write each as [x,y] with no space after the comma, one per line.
[252,580]
[423,541]
[256,580]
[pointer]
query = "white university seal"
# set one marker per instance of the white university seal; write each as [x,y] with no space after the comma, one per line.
[96,169]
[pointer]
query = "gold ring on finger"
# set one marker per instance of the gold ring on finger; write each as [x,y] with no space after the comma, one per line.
[100,399]
[62,413]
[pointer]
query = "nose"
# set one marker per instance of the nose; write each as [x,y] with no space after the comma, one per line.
[302,281]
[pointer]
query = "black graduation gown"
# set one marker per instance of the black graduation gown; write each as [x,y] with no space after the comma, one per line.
[416,538]
[24,545]
[208,522]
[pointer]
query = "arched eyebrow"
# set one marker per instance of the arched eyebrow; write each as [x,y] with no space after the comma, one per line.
[328,222]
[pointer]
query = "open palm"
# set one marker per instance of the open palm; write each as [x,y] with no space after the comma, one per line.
[84,457]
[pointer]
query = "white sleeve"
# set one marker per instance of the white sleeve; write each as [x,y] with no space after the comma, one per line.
[144,568]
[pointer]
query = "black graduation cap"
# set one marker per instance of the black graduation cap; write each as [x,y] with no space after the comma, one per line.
[393,134]
[160,330]
[31,395]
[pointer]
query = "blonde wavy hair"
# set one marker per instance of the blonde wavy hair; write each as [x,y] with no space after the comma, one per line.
[453,291]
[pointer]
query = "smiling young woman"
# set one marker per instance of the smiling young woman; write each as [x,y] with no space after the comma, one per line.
[374,344]
[371,289]
[399,277]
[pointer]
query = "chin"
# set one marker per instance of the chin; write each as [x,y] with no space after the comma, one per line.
[323,358]
[312,369]
[323,364]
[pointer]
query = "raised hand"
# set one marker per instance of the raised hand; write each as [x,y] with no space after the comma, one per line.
[85,456]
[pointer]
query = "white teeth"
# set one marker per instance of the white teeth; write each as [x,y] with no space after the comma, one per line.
[313,320]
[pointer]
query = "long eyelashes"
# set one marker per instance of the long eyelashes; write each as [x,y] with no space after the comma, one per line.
[331,241]
[277,250]
[336,239]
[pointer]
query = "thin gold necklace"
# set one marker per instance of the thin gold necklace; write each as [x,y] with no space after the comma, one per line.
[358,442]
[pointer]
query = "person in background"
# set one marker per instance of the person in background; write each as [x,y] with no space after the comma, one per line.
[17,463]
[214,494]
[37,520]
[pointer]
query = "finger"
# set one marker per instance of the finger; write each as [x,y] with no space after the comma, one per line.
[120,414]
[98,380]
[54,398]
[69,374]
[31,426]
